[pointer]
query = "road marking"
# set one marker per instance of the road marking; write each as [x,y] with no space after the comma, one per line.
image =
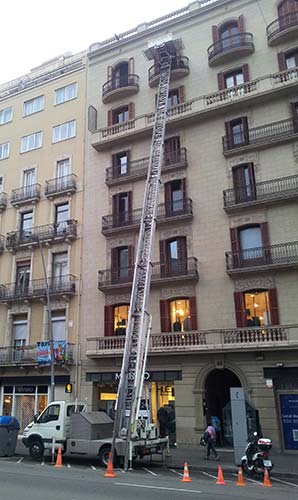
[206,474]
[150,471]
[92,467]
[176,472]
[20,460]
[284,482]
[248,479]
[157,487]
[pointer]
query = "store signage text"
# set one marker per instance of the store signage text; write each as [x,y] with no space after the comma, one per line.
[147,376]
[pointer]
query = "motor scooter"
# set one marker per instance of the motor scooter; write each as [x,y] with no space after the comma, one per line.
[256,458]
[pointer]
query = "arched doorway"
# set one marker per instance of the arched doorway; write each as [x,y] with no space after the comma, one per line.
[217,399]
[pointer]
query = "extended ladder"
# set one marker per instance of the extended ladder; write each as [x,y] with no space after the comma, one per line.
[139,321]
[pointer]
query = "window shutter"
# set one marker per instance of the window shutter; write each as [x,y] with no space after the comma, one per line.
[131,110]
[193,313]
[116,205]
[221,81]
[235,244]
[181,94]
[281,61]
[228,128]
[110,118]
[182,248]
[108,321]
[165,316]
[163,257]
[131,66]
[239,309]
[129,205]
[183,189]
[241,26]
[168,197]
[215,34]
[294,111]
[130,261]
[114,264]
[110,72]
[274,316]
[245,73]
[245,129]
[265,242]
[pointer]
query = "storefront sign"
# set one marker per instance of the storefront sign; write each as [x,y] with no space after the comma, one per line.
[25,389]
[289,417]
[157,376]
[146,376]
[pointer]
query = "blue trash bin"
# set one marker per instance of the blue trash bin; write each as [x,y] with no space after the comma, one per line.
[9,429]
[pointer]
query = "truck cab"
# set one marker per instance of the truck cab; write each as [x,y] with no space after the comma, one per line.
[52,424]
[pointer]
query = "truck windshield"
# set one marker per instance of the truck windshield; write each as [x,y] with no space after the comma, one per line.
[52,412]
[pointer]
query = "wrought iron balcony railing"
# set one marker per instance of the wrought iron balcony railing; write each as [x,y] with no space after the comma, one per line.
[139,168]
[120,83]
[34,289]
[180,208]
[178,64]
[3,201]
[64,184]
[282,255]
[269,133]
[262,192]
[49,233]
[280,25]
[178,269]
[28,355]
[266,337]
[25,193]
[230,43]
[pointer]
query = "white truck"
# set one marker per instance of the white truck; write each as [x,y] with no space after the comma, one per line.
[67,424]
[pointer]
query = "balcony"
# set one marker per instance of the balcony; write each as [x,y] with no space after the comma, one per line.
[230,48]
[50,233]
[262,193]
[119,88]
[62,286]
[3,201]
[268,135]
[138,169]
[28,356]
[255,260]
[26,194]
[283,29]
[179,68]
[181,270]
[234,339]
[198,108]
[61,186]
[180,210]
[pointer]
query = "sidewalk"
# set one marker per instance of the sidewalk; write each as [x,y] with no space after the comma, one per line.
[284,464]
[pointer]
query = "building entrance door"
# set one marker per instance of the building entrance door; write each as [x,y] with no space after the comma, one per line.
[217,395]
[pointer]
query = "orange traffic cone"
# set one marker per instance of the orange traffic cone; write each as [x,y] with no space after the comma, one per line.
[186,478]
[59,458]
[240,479]
[110,469]
[267,481]
[220,478]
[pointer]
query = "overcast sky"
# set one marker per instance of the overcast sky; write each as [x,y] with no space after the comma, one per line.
[33,31]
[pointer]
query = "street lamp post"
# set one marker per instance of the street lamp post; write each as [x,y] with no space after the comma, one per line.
[50,325]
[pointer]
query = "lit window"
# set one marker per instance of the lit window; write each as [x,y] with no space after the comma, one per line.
[34,105]
[180,315]
[4,150]
[257,308]
[64,131]
[5,115]
[120,319]
[66,93]
[32,141]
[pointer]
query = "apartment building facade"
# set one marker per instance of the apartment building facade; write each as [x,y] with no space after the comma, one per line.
[41,176]
[224,277]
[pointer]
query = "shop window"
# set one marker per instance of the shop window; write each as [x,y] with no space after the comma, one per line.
[120,319]
[244,182]
[256,308]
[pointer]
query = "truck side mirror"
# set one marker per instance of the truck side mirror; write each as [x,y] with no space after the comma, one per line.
[35,419]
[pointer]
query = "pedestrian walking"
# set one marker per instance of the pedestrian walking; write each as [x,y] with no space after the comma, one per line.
[210,438]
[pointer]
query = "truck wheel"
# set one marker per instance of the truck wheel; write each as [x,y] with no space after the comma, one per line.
[104,455]
[36,449]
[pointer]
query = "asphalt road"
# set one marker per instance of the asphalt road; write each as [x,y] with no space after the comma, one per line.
[22,479]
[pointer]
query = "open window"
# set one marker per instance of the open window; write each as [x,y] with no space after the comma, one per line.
[244,183]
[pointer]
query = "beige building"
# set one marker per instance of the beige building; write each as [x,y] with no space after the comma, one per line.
[41,181]
[224,290]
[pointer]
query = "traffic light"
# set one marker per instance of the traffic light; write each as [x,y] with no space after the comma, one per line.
[68,388]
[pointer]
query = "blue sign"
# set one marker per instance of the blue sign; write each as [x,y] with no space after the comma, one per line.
[289,418]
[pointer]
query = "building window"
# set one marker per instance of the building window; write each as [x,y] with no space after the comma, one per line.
[66,93]
[64,131]
[244,183]
[120,164]
[59,325]
[22,276]
[63,168]
[29,179]
[123,262]
[237,132]
[250,239]
[120,75]
[122,208]
[173,98]
[227,35]
[20,335]
[5,115]
[61,217]
[180,315]
[172,150]
[120,115]
[32,141]
[34,105]
[288,8]
[4,150]
[60,265]
[122,266]
[26,223]
[291,60]
[234,79]
[120,319]
[256,308]
[174,196]
[175,260]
